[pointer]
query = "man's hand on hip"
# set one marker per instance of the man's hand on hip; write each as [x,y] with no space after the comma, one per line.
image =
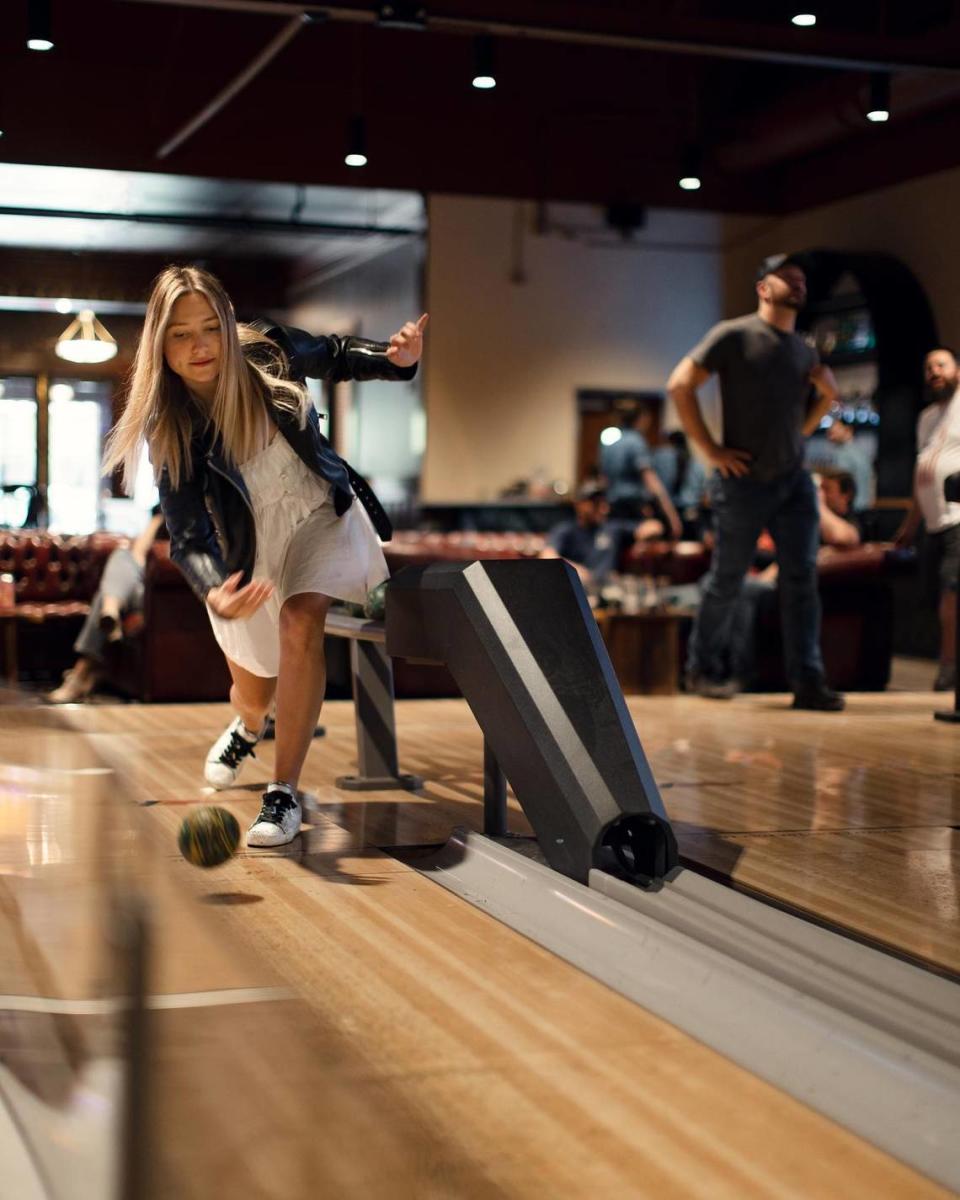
[731,463]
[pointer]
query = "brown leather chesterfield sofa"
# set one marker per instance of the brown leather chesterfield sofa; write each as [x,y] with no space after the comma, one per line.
[168,654]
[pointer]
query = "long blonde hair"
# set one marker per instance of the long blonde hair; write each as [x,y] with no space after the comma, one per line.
[159,409]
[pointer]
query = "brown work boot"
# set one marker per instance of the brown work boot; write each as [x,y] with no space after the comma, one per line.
[817,695]
[77,685]
[712,689]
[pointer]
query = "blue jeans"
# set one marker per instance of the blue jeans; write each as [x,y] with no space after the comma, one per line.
[123,578]
[743,508]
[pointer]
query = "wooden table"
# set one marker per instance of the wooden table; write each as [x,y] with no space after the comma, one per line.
[644,648]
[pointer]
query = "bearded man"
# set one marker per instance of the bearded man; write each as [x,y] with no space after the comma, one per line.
[938,455]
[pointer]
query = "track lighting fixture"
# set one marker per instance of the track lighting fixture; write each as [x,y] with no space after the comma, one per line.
[690,170]
[356,155]
[484,76]
[878,107]
[39,33]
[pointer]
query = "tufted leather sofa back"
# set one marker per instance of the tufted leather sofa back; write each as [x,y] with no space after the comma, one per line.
[48,568]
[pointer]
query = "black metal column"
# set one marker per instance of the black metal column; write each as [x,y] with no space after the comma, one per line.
[372,678]
[494,795]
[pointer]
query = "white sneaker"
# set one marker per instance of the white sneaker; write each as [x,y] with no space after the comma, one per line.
[227,754]
[278,821]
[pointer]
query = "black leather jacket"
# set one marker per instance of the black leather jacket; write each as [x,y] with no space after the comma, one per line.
[209,516]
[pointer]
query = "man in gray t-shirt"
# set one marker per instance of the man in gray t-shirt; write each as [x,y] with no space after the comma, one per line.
[765,386]
[774,391]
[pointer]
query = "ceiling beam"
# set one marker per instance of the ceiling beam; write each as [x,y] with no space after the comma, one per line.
[236,85]
[836,52]
[219,222]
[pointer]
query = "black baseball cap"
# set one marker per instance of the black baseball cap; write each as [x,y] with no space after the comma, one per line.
[776,262]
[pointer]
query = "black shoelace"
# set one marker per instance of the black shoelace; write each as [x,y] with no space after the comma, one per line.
[274,806]
[237,750]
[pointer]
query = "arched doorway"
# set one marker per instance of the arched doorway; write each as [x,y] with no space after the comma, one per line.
[873,325]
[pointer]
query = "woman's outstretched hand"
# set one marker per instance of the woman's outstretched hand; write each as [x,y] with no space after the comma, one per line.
[235,603]
[406,346]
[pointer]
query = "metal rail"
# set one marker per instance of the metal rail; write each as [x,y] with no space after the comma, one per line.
[866,1039]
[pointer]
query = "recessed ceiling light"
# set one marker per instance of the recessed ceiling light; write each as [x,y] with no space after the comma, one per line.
[691,173]
[878,105]
[39,36]
[356,155]
[804,20]
[484,75]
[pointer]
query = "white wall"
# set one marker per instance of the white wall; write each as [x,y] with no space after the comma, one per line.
[505,359]
[916,222]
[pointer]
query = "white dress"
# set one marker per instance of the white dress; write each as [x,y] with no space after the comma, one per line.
[302,546]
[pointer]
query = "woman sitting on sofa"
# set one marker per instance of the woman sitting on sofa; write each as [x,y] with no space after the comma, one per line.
[120,593]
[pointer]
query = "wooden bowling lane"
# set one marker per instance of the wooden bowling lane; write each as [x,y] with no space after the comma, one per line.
[426,1050]
[511,1073]
[849,817]
[248,1092]
[57,855]
[896,888]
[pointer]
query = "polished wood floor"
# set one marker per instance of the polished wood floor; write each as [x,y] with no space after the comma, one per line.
[333,1023]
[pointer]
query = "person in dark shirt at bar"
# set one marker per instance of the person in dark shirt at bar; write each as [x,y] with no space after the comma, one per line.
[634,487]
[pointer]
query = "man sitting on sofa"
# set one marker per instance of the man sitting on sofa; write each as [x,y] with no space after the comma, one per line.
[839,523]
[593,544]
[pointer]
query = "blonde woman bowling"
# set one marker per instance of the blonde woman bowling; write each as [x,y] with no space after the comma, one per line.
[261,510]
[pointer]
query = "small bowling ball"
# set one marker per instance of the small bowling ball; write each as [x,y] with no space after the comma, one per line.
[208,836]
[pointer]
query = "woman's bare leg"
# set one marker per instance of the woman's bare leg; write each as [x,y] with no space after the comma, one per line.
[302,681]
[250,696]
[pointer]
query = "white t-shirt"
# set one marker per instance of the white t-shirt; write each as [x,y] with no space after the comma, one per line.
[938,455]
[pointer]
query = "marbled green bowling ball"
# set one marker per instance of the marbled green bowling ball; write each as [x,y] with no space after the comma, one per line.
[376,605]
[208,836]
